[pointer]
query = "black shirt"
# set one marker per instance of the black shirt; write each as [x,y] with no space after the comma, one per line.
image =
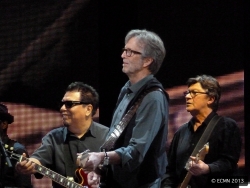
[224,151]
[52,153]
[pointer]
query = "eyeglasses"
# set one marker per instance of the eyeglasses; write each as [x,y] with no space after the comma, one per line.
[129,52]
[193,93]
[70,104]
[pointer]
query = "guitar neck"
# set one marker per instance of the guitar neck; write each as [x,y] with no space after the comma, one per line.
[200,156]
[57,177]
[186,180]
[52,175]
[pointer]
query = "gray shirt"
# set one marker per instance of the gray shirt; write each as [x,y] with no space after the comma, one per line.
[151,117]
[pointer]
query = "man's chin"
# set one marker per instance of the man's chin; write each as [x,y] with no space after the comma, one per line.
[65,124]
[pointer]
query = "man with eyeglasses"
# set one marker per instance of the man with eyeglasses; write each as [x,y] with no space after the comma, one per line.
[79,132]
[202,101]
[138,157]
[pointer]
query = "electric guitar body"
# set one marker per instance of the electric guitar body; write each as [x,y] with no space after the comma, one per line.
[82,177]
[81,160]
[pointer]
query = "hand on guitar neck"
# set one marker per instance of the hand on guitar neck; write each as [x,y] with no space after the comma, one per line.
[25,165]
[196,166]
[31,166]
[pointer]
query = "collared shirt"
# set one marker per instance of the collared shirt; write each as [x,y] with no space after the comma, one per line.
[222,158]
[51,153]
[148,137]
[130,94]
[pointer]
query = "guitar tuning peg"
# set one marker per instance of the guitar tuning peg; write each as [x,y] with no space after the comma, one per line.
[6,146]
[11,148]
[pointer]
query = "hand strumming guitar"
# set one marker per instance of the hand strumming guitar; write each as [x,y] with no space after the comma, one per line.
[96,159]
[93,162]
[93,178]
[197,167]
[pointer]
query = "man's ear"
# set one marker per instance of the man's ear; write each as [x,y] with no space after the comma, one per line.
[89,110]
[211,100]
[147,61]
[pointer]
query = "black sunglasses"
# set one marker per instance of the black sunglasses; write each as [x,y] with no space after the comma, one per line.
[70,104]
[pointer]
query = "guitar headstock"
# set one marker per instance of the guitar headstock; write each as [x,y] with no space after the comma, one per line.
[82,158]
[9,148]
[15,156]
[11,154]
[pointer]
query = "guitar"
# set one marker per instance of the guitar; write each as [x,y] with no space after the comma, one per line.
[199,156]
[68,183]
[80,174]
[81,160]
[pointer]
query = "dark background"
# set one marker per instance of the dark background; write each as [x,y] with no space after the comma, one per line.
[44,47]
[200,37]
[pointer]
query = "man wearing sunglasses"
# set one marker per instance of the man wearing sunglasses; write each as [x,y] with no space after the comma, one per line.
[202,101]
[138,157]
[79,132]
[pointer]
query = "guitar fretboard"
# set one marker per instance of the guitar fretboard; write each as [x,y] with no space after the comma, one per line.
[49,173]
[57,177]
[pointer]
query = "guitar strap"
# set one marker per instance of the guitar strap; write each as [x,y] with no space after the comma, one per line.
[120,127]
[202,141]
[206,134]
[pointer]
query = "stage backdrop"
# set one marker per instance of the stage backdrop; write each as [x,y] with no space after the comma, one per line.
[32,123]
[45,45]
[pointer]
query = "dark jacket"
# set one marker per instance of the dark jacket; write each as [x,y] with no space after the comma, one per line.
[9,177]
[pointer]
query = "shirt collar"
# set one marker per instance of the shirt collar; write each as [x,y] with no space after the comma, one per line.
[90,133]
[135,87]
[204,123]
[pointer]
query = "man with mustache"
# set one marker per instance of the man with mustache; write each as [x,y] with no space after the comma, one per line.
[79,132]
